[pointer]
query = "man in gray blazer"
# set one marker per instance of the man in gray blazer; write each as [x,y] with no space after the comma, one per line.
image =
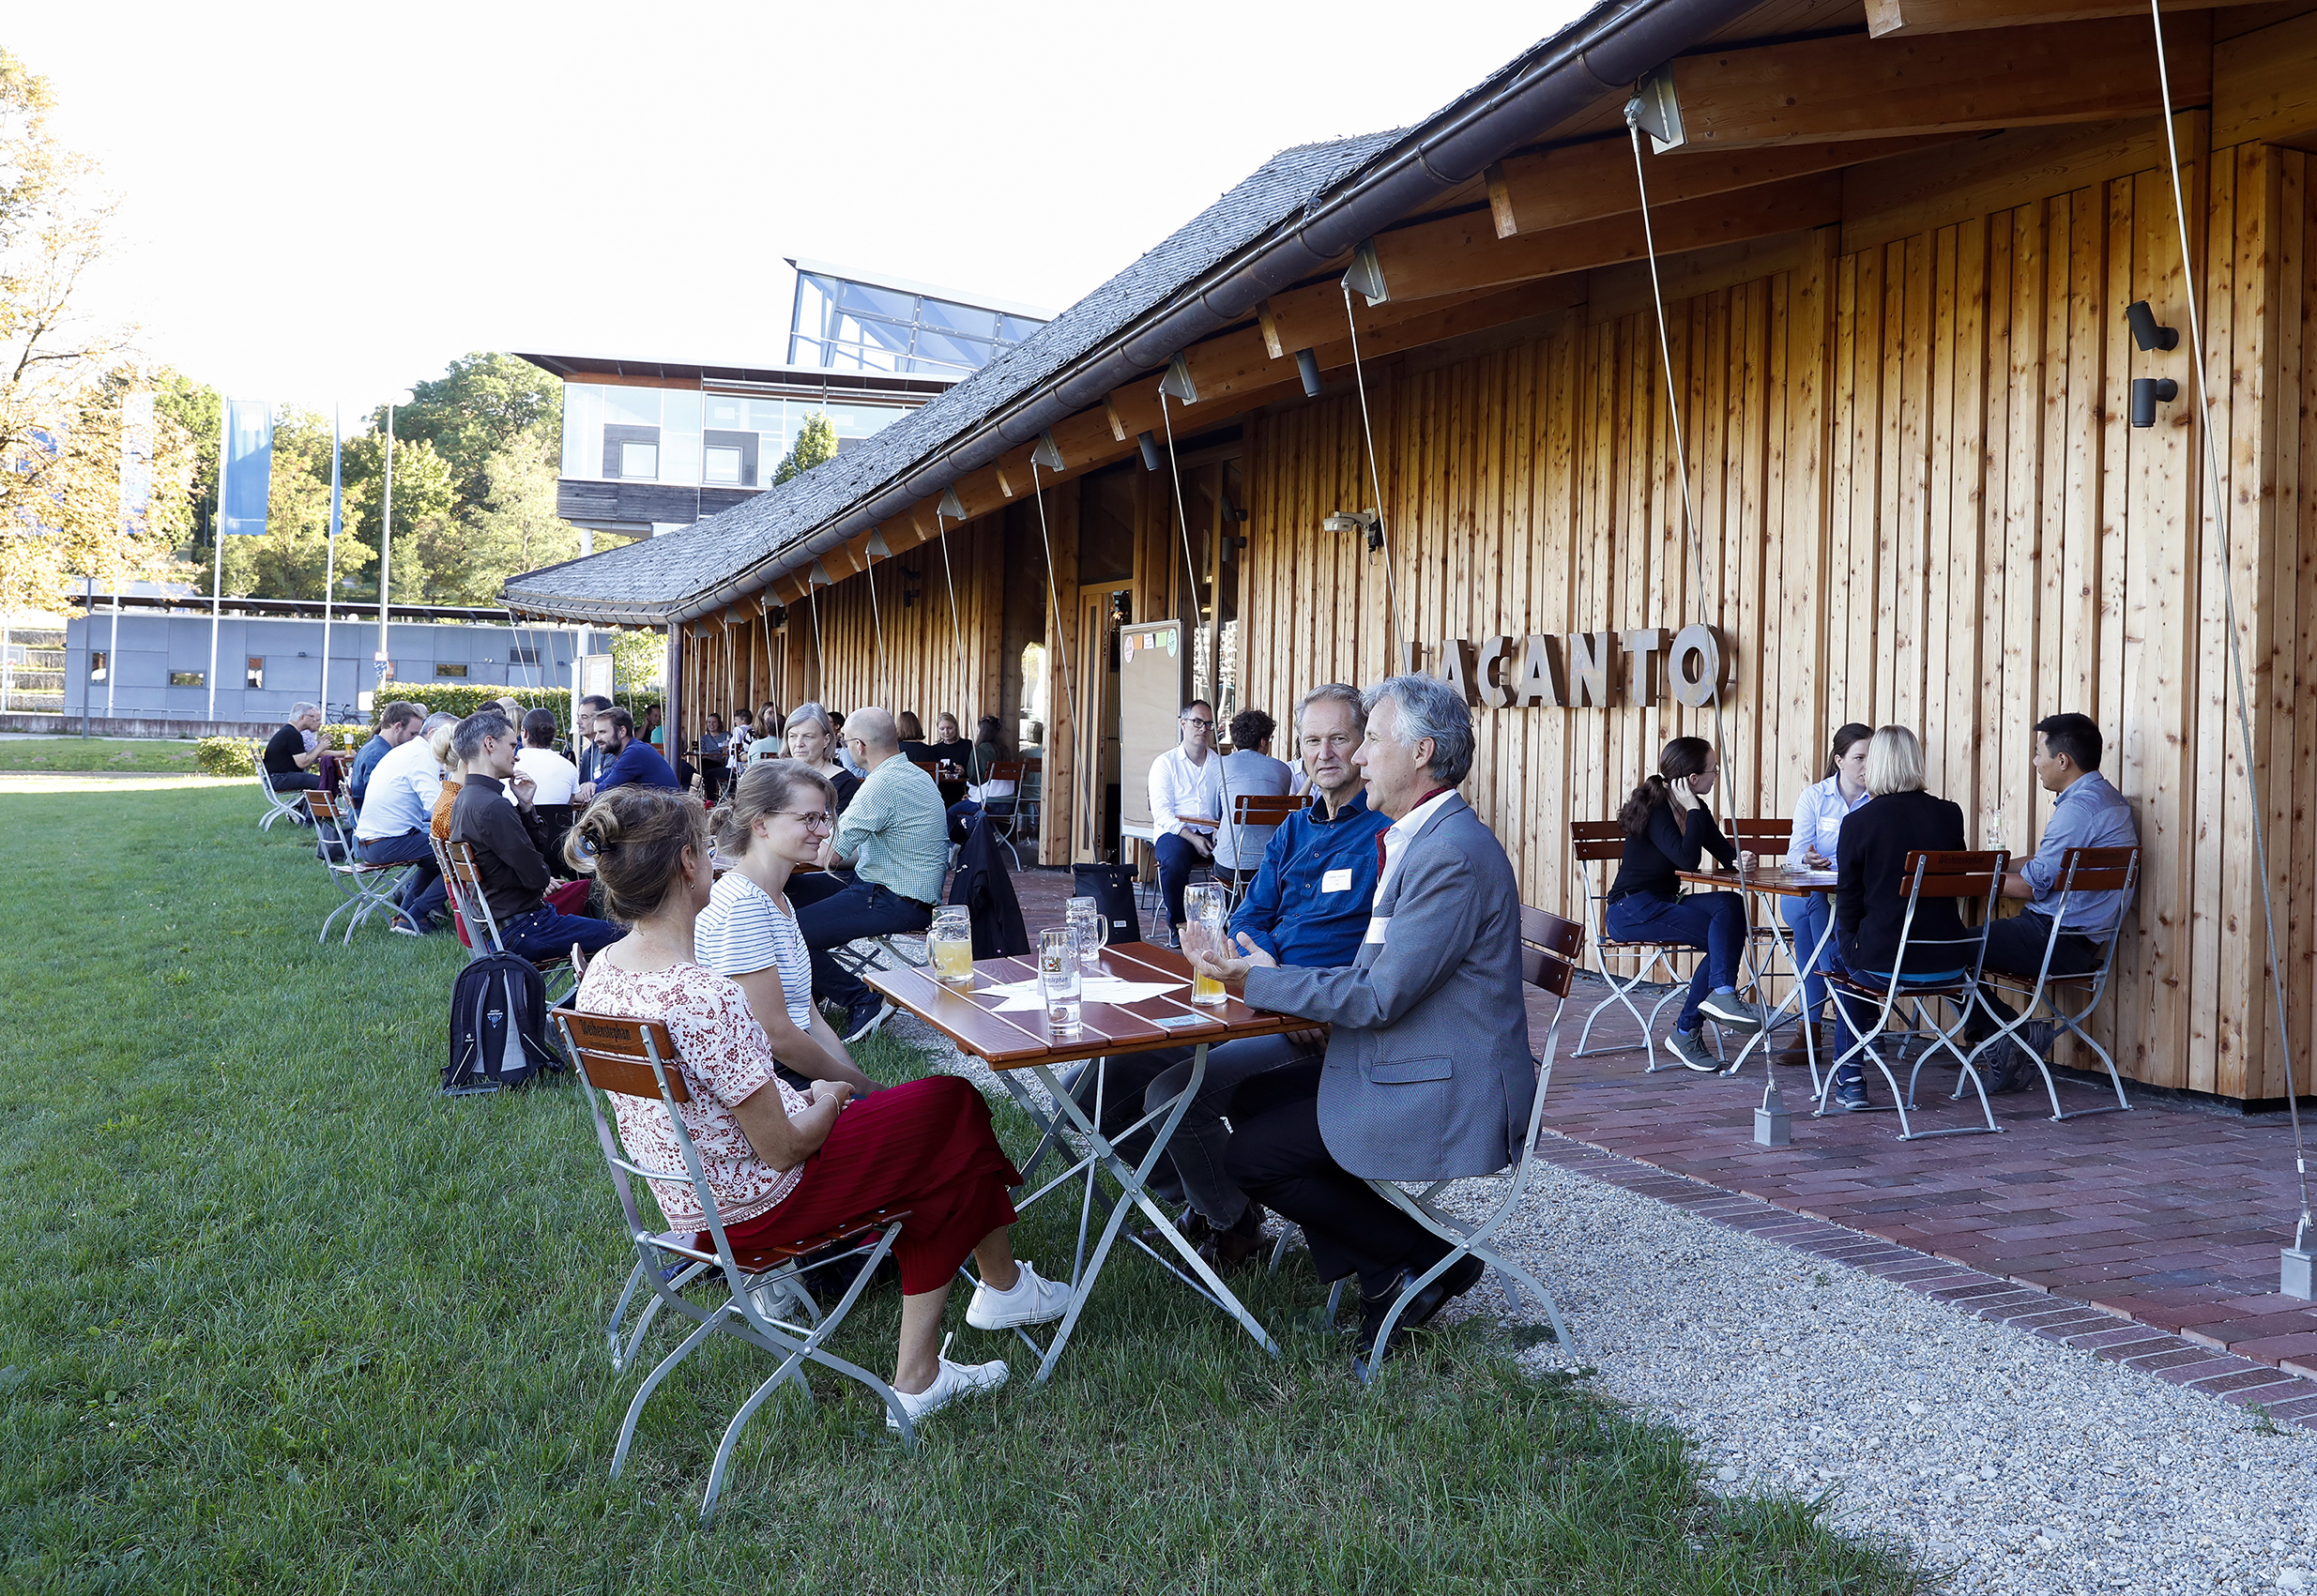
[1427,1074]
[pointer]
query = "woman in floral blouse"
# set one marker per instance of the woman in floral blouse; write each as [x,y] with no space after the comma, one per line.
[786,1166]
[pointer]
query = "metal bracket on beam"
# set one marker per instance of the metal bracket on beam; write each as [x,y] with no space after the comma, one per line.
[1657,111]
[1047,456]
[951,505]
[820,577]
[1178,381]
[1367,276]
[879,549]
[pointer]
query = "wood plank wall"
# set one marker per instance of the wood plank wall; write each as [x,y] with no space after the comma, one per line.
[1919,500]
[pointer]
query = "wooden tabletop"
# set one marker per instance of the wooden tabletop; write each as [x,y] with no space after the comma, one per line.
[1019,1039]
[1774,880]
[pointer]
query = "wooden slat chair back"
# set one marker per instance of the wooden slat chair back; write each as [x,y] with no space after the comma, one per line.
[1599,846]
[765,1303]
[1555,945]
[2081,871]
[1253,811]
[463,876]
[364,889]
[1970,876]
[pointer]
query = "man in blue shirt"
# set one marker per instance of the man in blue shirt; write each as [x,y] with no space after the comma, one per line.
[2089,813]
[1309,906]
[395,726]
[629,760]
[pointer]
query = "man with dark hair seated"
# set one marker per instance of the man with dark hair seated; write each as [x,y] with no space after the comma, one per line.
[2088,812]
[397,724]
[509,840]
[627,758]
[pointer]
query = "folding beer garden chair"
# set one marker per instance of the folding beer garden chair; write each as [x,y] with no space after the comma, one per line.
[1599,846]
[764,1302]
[365,888]
[289,806]
[1551,947]
[1005,812]
[463,880]
[2081,870]
[1258,812]
[1977,877]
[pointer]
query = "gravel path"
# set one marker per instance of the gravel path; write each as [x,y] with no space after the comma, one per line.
[2025,1467]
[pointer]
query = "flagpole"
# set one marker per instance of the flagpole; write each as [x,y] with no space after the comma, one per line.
[329,560]
[386,548]
[216,582]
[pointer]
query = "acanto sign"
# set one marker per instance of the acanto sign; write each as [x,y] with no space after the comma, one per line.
[1589,670]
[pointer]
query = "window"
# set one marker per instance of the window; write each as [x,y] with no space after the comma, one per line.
[188,678]
[846,325]
[257,674]
[98,665]
[520,655]
[730,460]
[451,671]
[631,452]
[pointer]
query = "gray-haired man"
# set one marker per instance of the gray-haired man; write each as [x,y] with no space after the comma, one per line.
[1427,1072]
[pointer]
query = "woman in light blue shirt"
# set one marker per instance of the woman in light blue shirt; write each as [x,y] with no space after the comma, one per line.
[1819,815]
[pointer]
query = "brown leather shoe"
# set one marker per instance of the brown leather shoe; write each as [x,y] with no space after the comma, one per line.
[1227,1252]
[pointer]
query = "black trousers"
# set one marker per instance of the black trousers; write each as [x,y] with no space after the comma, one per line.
[1278,1158]
[2016,948]
[832,911]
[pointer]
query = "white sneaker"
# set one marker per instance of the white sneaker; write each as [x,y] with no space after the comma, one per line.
[953,1381]
[1032,1301]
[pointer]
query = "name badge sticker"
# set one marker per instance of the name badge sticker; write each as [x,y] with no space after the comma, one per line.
[1335,881]
[1376,924]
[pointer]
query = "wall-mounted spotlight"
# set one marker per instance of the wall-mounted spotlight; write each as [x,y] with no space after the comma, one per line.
[2149,392]
[1366,522]
[2146,331]
[1149,451]
[1307,366]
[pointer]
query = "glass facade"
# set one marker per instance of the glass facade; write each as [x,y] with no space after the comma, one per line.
[857,327]
[614,433]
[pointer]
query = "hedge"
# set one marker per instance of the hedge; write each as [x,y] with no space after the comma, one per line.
[237,756]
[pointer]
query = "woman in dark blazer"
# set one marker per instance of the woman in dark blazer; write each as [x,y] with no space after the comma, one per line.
[1870,899]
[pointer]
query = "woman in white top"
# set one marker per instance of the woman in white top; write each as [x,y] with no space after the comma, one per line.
[786,1166]
[779,814]
[1818,823]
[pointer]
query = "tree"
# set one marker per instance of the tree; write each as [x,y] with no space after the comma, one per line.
[484,405]
[638,658]
[426,530]
[72,408]
[816,441]
[291,558]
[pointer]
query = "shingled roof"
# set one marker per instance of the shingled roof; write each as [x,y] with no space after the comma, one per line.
[1293,212]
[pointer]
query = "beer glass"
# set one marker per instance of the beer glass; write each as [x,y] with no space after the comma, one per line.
[949,945]
[1086,922]
[1059,980]
[1203,929]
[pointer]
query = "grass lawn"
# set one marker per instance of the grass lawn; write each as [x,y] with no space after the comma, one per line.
[157,757]
[280,1319]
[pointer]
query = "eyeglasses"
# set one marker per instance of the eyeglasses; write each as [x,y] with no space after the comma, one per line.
[1198,726]
[817,820]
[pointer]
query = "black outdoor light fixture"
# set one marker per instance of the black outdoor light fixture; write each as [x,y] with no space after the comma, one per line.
[2146,331]
[1307,366]
[1149,451]
[2149,392]
[1366,522]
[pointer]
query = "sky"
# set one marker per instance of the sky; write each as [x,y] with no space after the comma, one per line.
[326,203]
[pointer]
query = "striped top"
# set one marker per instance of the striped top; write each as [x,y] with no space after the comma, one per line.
[742,931]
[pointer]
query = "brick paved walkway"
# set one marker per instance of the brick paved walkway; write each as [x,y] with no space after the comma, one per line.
[2168,1216]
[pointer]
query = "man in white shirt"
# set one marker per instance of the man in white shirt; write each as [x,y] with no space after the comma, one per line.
[1186,805]
[396,826]
[553,778]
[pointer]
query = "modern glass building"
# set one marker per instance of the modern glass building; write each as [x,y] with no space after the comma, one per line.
[650,446]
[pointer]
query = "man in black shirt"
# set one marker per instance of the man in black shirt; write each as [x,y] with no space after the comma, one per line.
[287,763]
[509,843]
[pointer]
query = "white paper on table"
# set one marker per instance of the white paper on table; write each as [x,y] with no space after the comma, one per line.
[1025,995]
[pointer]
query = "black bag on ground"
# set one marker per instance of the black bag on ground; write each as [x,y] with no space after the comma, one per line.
[498,1026]
[1112,888]
[983,886]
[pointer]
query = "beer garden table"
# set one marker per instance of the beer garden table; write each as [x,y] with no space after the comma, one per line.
[1775,882]
[1016,1043]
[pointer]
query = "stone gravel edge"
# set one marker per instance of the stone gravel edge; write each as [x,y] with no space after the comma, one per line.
[2288,1398]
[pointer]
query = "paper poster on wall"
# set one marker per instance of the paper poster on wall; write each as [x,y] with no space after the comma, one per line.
[1149,699]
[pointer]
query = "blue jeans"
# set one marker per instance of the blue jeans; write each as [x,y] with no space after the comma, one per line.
[1809,920]
[423,890]
[1715,921]
[832,911]
[546,934]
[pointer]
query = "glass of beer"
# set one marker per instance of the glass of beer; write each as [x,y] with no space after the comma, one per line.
[1085,924]
[950,946]
[1060,981]
[1203,930]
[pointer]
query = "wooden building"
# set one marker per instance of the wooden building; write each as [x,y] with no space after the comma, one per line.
[1897,245]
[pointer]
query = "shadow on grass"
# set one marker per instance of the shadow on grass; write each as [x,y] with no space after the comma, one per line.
[285,1320]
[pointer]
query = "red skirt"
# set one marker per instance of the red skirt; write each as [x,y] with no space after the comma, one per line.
[926,1147]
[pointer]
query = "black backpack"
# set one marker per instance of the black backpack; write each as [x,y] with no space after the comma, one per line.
[1112,888]
[498,1026]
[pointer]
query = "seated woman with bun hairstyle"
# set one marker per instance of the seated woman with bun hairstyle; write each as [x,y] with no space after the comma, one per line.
[787,1164]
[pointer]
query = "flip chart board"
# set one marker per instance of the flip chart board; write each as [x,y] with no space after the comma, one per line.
[1151,666]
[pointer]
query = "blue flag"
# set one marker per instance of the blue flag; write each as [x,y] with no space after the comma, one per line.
[247,466]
